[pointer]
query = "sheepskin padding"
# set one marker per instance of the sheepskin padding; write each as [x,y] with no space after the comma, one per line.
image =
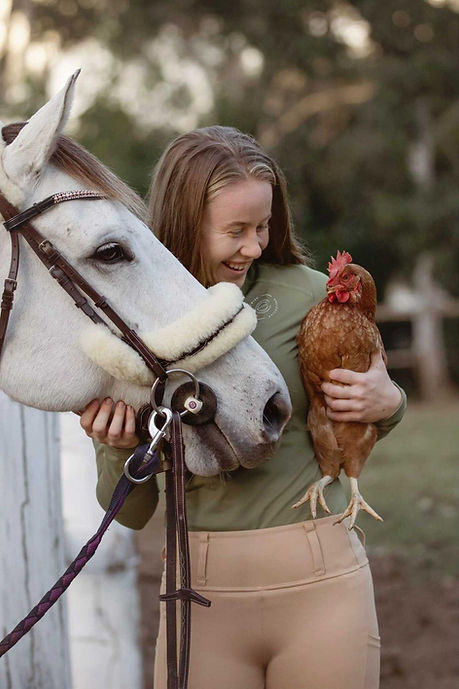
[10,190]
[223,301]
[114,356]
[175,342]
[242,326]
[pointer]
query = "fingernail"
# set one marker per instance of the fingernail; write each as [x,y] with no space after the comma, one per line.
[107,399]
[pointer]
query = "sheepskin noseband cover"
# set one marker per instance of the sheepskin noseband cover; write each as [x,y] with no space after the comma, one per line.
[197,339]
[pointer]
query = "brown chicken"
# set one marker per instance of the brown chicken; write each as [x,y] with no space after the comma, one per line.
[340,332]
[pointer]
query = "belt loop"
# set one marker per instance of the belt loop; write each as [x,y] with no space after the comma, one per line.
[314,546]
[201,574]
[357,544]
[361,534]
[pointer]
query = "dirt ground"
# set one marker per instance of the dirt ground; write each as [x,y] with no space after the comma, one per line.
[419,625]
[418,617]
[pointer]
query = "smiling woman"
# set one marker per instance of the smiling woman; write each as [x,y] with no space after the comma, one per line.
[285,588]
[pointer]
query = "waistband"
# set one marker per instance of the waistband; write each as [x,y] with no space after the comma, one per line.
[276,557]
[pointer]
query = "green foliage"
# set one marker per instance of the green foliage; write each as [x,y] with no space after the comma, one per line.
[111,135]
[375,173]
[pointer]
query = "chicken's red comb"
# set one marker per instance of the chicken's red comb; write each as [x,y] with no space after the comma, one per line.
[337,264]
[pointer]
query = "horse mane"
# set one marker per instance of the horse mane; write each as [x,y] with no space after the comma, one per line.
[76,161]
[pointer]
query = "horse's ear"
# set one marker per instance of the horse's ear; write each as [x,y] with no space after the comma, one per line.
[31,149]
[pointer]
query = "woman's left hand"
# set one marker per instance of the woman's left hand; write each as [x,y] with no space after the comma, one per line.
[365,397]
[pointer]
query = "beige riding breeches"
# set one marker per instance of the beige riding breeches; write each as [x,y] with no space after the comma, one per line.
[292,608]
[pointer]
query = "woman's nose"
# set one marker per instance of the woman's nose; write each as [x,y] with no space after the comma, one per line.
[251,247]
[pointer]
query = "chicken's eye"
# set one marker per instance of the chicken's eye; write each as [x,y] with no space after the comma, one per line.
[346,277]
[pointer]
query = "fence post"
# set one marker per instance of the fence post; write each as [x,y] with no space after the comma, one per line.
[31,547]
[428,341]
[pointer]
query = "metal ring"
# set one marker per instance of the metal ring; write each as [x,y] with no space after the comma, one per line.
[194,380]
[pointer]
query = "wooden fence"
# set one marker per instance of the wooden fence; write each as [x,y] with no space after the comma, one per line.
[425,307]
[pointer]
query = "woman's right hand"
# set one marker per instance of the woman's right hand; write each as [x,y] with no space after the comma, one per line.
[109,423]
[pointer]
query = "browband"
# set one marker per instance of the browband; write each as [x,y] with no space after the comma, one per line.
[49,202]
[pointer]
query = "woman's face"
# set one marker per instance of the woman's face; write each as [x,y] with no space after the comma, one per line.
[235,229]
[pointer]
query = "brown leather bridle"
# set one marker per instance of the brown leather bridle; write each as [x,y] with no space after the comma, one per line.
[145,462]
[62,271]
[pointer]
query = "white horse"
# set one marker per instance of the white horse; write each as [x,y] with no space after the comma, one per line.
[53,359]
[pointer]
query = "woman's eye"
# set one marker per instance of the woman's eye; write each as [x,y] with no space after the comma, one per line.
[111,253]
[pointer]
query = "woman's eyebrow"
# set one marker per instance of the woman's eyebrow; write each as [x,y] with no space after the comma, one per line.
[242,223]
[235,223]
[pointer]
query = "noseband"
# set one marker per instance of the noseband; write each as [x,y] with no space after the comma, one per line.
[197,400]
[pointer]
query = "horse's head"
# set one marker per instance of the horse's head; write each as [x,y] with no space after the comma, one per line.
[47,362]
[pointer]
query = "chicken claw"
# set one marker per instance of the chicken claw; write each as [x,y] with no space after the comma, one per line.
[356,503]
[315,491]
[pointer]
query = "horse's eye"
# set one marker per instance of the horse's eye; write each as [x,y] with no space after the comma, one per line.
[111,253]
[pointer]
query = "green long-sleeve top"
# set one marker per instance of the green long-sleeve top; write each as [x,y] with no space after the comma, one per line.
[261,497]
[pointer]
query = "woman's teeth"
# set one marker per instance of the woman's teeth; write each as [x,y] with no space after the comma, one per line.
[234,267]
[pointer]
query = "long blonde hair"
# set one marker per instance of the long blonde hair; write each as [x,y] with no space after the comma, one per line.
[192,170]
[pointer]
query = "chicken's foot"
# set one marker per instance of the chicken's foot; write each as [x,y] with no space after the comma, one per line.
[315,491]
[356,503]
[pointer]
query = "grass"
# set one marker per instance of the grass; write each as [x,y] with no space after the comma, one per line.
[411,480]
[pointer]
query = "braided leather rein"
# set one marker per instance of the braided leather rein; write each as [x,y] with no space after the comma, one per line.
[141,466]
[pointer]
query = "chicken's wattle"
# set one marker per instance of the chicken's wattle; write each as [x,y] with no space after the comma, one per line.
[340,296]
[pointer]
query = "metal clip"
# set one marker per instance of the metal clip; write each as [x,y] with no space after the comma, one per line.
[156,435]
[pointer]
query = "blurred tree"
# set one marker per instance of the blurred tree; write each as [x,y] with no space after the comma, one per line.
[359,102]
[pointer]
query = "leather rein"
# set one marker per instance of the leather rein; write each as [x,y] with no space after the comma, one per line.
[143,463]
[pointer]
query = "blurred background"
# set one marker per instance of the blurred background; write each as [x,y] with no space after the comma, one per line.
[359,103]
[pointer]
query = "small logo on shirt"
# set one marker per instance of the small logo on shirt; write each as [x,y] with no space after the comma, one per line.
[265,306]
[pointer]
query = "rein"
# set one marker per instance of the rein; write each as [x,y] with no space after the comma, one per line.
[144,462]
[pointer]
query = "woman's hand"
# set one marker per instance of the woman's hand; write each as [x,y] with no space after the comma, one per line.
[365,397]
[109,423]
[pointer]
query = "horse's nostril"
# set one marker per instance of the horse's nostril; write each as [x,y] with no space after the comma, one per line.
[275,416]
